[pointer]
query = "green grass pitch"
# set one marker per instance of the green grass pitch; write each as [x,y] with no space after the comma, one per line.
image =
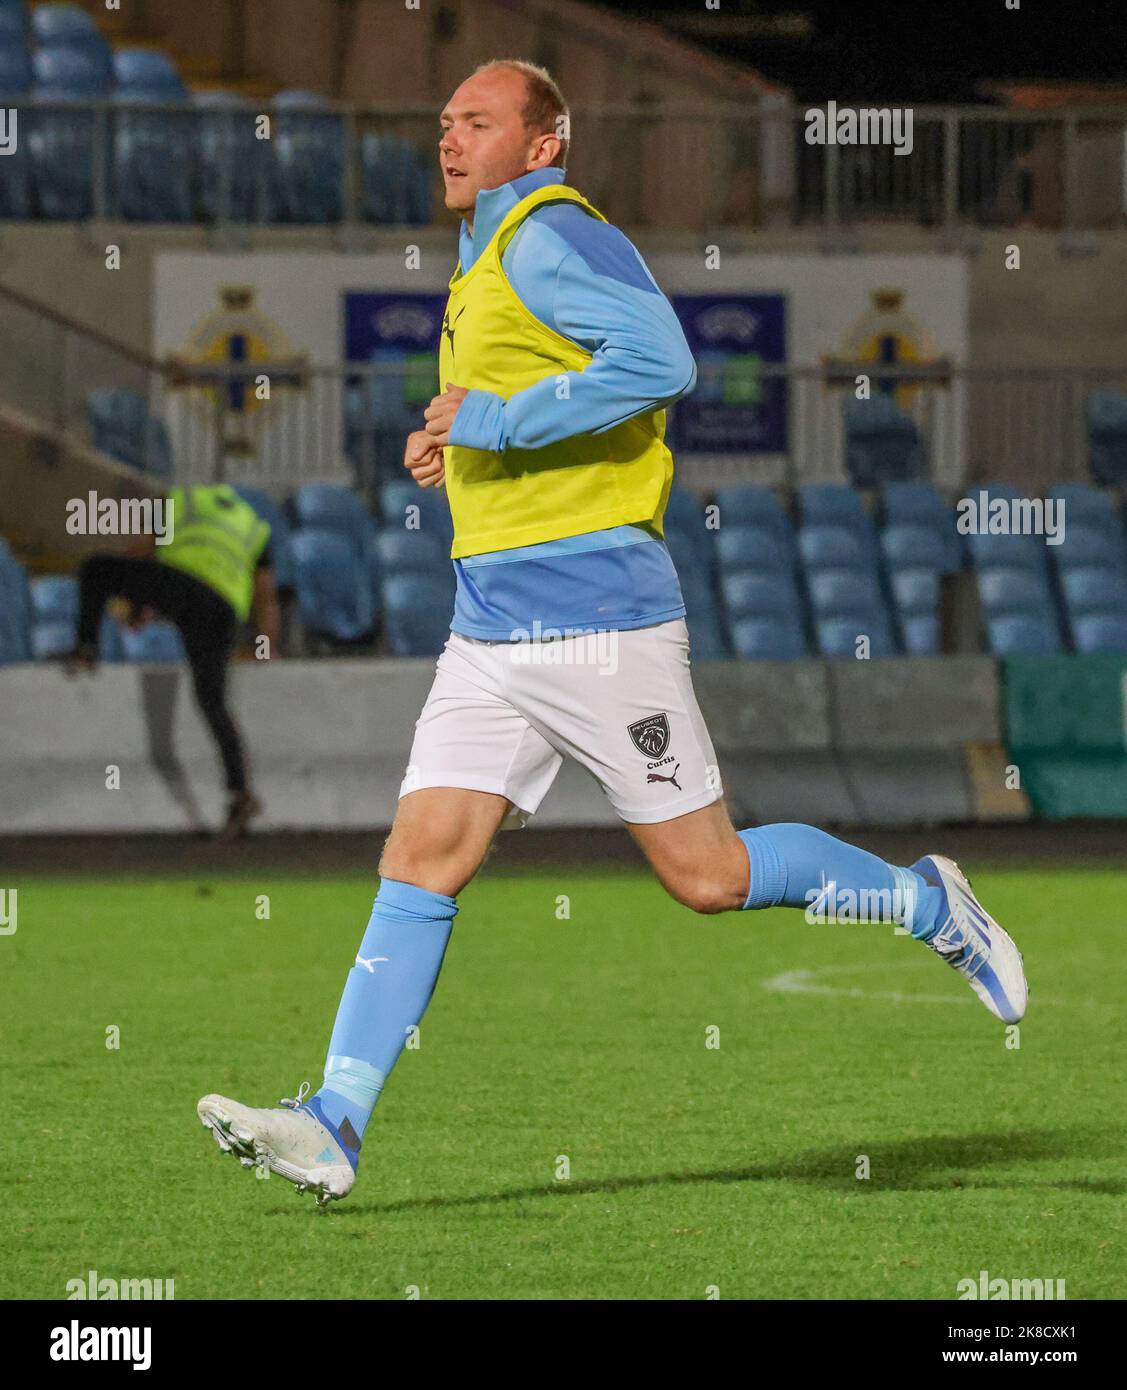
[691,1167]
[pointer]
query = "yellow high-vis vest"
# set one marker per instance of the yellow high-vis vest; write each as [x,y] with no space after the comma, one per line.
[586,482]
[217,538]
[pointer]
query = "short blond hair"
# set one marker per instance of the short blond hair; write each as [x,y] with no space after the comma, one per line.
[545,111]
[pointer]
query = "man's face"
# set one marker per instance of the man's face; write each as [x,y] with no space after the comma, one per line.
[484,141]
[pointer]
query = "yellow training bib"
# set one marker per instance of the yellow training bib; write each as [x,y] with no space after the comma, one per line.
[584,483]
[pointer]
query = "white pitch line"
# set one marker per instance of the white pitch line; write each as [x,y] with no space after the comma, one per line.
[801,982]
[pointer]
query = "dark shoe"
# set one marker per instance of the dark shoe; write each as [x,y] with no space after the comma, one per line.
[243,807]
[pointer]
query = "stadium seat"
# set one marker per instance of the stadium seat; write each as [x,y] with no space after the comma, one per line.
[158,449]
[740,548]
[16,71]
[1088,506]
[417,612]
[119,424]
[331,581]
[834,504]
[749,594]
[230,161]
[706,637]
[1101,632]
[69,72]
[154,157]
[920,504]
[60,144]
[400,551]
[1107,437]
[906,545]
[751,505]
[402,502]
[308,149]
[835,547]
[397,181]
[15,610]
[882,442]
[1094,588]
[69,24]
[838,638]
[768,639]
[1009,552]
[155,643]
[1018,634]
[54,616]
[333,508]
[281,533]
[147,71]
[1014,590]
[1084,544]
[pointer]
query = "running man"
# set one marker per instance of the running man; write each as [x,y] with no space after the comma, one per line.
[559,354]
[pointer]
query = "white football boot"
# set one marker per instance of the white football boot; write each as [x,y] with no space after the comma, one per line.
[298,1142]
[974,944]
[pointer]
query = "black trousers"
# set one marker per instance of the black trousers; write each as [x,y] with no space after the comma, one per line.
[206,622]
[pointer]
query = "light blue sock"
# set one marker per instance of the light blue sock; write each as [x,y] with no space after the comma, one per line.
[387,992]
[796,865]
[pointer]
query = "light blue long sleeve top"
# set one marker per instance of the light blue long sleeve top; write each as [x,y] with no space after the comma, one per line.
[584,279]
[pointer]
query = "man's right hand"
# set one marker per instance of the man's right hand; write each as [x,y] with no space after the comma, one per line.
[424,459]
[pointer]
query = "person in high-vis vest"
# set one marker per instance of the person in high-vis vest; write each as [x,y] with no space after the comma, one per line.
[211,575]
[558,357]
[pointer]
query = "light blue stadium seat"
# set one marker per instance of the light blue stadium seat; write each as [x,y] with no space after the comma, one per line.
[412,552]
[433,515]
[915,591]
[835,547]
[835,504]
[153,162]
[838,637]
[333,508]
[15,81]
[1094,588]
[1014,590]
[1084,544]
[1088,506]
[60,23]
[768,639]
[397,181]
[1019,634]
[157,642]
[749,548]
[1101,632]
[308,147]
[882,442]
[54,616]
[921,634]
[909,545]
[281,533]
[331,580]
[76,72]
[16,71]
[417,612]
[1107,437]
[1007,552]
[920,504]
[748,593]
[834,592]
[60,144]
[15,610]
[148,71]
[119,424]
[230,160]
[706,637]
[751,505]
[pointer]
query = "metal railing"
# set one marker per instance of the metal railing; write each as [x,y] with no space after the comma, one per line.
[689,168]
[975,424]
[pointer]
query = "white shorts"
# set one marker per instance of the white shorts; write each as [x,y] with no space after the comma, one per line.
[501,715]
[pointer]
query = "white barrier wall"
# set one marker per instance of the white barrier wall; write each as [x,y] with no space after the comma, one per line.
[125,750]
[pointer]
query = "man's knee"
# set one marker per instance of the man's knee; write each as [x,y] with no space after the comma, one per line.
[706,893]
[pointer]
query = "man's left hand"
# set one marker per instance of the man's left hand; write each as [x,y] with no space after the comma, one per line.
[439,415]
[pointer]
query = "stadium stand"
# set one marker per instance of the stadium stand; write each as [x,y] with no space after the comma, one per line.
[331,583]
[882,443]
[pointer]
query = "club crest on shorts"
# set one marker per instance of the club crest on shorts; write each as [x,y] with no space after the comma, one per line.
[650,735]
